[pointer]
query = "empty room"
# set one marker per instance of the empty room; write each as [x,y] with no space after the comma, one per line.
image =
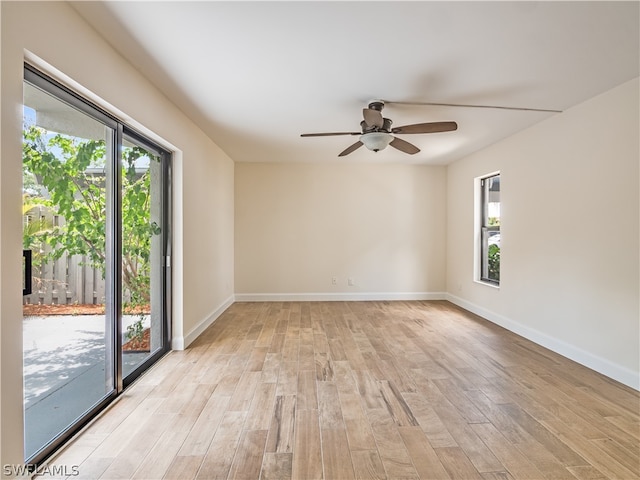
[320,240]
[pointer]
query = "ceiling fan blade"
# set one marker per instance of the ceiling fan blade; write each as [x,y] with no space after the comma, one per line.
[372,118]
[431,127]
[404,146]
[352,148]
[328,134]
[499,107]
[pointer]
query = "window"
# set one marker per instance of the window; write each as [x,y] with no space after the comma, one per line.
[490,229]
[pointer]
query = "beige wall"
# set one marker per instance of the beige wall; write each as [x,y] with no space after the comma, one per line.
[570,216]
[52,32]
[299,225]
[570,250]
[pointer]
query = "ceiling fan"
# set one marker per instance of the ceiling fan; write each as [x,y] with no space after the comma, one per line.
[377,132]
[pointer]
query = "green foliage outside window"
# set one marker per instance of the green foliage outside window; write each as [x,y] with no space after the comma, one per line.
[494,262]
[71,171]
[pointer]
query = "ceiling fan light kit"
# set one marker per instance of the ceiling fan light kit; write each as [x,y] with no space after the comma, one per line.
[377,133]
[376,141]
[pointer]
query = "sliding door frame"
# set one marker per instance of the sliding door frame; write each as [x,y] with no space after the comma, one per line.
[113,290]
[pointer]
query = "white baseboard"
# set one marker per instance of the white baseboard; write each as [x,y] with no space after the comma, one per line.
[180,343]
[337,297]
[601,365]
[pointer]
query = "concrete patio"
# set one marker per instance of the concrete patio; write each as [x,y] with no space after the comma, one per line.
[64,372]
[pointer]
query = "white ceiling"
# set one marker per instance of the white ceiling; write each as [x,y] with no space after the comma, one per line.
[255,75]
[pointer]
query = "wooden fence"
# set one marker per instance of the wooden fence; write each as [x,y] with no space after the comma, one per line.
[68,280]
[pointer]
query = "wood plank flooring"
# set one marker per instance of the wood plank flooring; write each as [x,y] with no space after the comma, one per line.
[363,390]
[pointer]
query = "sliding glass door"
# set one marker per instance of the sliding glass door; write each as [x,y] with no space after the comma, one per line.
[96,236]
[67,326]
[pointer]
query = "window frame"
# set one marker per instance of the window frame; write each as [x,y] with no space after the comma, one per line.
[485,231]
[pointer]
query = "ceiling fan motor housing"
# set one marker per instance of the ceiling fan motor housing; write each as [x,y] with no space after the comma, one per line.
[386,126]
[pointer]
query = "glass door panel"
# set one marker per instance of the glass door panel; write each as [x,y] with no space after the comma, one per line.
[142,227]
[67,320]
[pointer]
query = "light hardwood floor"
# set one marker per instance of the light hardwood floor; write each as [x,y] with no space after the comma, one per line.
[343,390]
